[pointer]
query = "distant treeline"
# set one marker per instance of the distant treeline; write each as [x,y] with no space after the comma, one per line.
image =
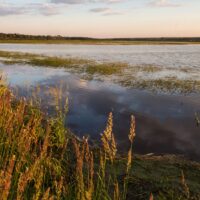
[4,36]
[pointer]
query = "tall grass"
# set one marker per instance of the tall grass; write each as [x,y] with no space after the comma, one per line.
[41,159]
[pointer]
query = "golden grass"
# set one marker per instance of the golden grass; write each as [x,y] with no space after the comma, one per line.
[37,157]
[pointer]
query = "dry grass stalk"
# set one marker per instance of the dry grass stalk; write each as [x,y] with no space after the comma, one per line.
[46,195]
[131,137]
[116,191]
[151,197]
[108,140]
[132,134]
[90,188]
[79,169]
[6,178]
[185,187]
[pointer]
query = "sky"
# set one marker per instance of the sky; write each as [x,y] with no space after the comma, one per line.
[101,18]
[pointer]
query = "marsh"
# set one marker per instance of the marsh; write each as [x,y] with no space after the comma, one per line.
[165,114]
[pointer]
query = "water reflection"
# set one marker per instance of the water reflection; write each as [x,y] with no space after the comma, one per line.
[165,124]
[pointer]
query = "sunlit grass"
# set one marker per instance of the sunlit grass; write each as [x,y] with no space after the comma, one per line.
[41,159]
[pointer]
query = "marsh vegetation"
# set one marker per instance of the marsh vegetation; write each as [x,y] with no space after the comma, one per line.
[154,78]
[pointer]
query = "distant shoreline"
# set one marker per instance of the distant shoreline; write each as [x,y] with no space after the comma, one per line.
[99,42]
[46,39]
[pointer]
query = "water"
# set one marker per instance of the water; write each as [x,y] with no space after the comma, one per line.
[164,123]
[159,55]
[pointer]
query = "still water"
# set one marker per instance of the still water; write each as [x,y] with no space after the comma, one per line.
[159,55]
[164,123]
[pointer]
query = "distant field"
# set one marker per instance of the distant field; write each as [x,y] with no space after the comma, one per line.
[48,39]
[98,42]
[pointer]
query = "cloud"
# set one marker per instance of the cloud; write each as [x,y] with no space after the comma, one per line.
[113,13]
[46,9]
[69,1]
[85,1]
[163,3]
[99,10]
[106,11]
[7,9]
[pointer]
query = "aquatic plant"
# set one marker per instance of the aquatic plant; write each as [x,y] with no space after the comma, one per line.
[197,118]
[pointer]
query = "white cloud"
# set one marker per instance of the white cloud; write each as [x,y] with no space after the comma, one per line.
[45,8]
[32,8]
[113,13]
[8,9]
[99,10]
[85,1]
[106,11]
[163,3]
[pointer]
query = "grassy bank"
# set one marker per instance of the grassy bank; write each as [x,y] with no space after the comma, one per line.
[41,159]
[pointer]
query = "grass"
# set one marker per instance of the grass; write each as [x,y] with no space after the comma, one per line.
[17,55]
[172,85]
[147,69]
[106,68]
[41,159]
[56,62]
[75,64]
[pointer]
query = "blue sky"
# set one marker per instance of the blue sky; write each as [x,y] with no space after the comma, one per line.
[101,18]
